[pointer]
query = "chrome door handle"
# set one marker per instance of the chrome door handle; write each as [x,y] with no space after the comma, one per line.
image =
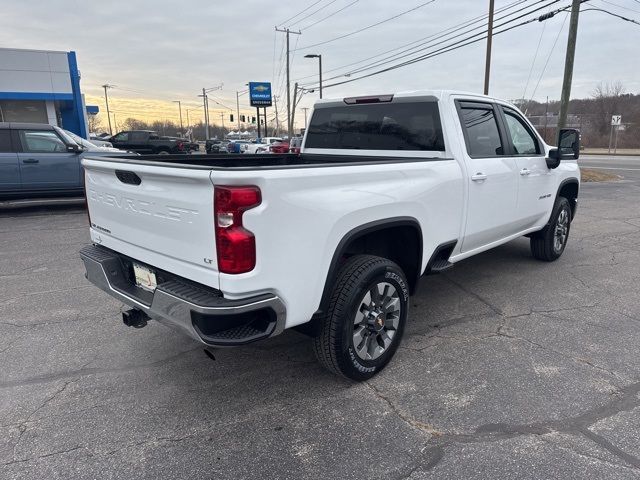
[525,171]
[30,160]
[478,177]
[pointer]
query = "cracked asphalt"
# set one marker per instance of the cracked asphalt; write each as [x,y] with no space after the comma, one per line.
[510,368]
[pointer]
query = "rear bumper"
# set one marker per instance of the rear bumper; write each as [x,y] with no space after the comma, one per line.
[196,310]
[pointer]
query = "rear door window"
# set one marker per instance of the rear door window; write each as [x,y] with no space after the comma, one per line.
[481,130]
[5,141]
[413,126]
[138,137]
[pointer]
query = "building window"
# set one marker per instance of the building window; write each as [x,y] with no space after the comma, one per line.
[26,111]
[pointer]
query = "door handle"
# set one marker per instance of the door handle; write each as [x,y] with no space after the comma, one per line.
[478,177]
[30,160]
[525,171]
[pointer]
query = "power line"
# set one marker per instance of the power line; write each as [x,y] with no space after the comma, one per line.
[535,57]
[369,26]
[331,15]
[313,13]
[619,6]
[446,48]
[455,46]
[433,42]
[447,31]
[611,13]
[544,69]
[300,13]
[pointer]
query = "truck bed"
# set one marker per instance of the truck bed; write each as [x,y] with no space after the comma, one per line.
[268,161]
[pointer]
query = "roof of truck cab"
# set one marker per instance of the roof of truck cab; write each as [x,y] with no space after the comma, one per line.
[25,126]
[422,94]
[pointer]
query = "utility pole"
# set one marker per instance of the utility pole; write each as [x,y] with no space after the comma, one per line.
[289,119]
[568,63]
[546,119]
[106,100]
[180,109]
[293,110]
[222,118]
[238,108]
[275,104]
[206,113]
[487,67]
[305,116]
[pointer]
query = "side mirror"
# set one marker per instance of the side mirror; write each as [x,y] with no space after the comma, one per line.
[568,147]
[74,149]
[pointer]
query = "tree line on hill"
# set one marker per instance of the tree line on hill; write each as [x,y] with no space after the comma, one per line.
[592,116]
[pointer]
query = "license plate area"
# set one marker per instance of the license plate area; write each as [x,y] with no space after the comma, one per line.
[145,277]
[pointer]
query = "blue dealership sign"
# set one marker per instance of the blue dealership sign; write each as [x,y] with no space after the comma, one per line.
[260,94]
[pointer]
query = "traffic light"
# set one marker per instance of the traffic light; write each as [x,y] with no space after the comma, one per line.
[231,117]
[253,119]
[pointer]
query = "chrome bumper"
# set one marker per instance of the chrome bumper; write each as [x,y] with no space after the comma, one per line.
[200,312]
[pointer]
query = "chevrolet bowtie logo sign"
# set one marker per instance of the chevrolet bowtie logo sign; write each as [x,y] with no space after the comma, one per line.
[260,94]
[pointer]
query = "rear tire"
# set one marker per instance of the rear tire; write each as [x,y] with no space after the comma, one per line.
[364,323]
[549,243]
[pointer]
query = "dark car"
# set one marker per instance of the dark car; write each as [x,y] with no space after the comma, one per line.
[190,146]
[216,146]
[149,142]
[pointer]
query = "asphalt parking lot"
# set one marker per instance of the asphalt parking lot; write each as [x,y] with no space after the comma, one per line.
[510,368]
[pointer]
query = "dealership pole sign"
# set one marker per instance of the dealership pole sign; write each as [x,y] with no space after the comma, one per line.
[260,94]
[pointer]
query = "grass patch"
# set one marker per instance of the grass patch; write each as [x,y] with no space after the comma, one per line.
[592,175]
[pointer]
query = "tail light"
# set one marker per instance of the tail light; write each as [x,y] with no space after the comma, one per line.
[235,244]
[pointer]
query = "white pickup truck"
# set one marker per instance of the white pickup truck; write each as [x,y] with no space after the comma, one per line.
[332,241]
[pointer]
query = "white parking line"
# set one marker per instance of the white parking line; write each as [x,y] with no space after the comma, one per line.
[613,168]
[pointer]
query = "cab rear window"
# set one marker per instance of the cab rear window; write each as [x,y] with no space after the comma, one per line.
[379,126]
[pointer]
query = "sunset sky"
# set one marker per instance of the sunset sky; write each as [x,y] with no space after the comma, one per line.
[156,52]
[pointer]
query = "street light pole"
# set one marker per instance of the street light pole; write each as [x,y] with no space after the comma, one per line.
[180,109]
[106,100]
[319,57]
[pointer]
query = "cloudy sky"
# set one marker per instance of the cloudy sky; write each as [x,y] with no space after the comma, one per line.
[158,51]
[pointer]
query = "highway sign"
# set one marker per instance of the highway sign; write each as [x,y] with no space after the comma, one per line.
[616,120]
[260,94]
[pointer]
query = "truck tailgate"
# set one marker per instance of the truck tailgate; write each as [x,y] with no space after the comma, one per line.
[158,215]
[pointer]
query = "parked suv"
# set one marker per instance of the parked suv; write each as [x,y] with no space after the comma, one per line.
[39,160]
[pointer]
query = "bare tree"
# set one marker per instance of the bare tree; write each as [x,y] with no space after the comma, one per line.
[95,123]
[608,98]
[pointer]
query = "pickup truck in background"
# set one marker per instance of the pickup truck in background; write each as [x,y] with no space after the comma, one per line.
[39,160]
[149,142]
[333,241]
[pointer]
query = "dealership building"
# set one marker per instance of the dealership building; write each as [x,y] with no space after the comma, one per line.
[39,86]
